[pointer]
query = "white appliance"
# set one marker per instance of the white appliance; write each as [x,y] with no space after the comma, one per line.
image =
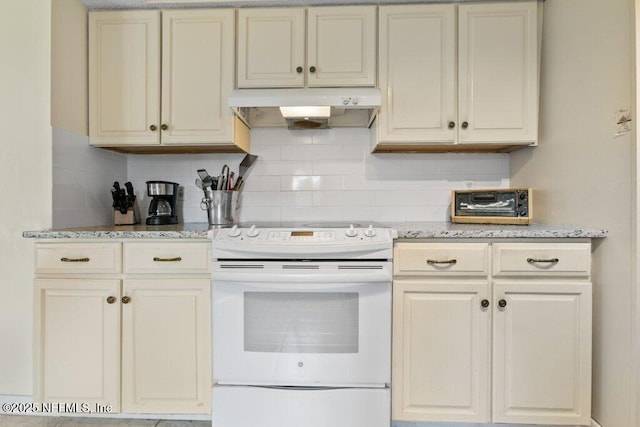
[302,327]
[309,108]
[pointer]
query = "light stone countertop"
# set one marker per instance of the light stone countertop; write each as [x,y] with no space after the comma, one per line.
[406,230]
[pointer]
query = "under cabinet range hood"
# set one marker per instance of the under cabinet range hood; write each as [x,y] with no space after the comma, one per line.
[306,108]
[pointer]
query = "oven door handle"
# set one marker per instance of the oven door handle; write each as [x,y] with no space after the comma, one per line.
[307,277]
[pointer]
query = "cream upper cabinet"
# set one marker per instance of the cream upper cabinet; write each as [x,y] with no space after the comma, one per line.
[182,60]
[458,77]
[124,77]
[317,47]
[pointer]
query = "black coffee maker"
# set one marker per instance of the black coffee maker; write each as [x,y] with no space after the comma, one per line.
[164,200]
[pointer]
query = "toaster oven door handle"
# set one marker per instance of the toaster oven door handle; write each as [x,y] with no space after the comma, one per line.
[542,260]
[441,262]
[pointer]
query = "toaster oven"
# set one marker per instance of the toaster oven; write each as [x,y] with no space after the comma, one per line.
[499,206]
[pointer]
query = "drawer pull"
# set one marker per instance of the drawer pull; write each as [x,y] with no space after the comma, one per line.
[502,303]
[484,303]
[541,260]
[176,259]
[65,259]
[437,261]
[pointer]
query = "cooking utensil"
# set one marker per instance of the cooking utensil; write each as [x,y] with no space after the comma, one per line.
[199,184]
[230,183]
[246,163]
[203,174]
[224,177]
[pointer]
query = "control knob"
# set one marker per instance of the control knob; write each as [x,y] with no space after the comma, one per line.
[234,232]
[370,232]
[253,231]
[351,232]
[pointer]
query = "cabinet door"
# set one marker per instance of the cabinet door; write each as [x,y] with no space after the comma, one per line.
[498,72]
[271,45]
[542,352]
[441,345]
[166,346]
[77,342]
[124,77]
[417,74]
[341,49]
[198,50]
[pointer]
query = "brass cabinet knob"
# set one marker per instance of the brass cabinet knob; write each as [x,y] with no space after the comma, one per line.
[126,300]
[111,300]
[452,125]
[465,125]
[502,303]
[153,128]
[164,127]
[484,303]
[299,70]
[312,69]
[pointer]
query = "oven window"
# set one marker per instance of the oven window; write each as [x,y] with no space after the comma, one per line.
[301,322]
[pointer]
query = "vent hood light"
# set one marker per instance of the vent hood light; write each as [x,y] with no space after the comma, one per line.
[310,108]
[305,112]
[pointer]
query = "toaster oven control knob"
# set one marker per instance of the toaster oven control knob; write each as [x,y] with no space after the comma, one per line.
[523,212]
[253,231]
[370,232]
[351,232]
[234,232]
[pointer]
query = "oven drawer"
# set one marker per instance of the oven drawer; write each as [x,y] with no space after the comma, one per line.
[541,259]
[167,257]
[441,259]
[85,258]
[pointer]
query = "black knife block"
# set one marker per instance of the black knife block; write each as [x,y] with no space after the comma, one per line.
[130,218]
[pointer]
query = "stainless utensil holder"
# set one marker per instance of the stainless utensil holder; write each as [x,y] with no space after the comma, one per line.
[222,206]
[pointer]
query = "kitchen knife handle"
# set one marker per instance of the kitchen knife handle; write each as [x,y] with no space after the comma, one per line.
[176,259]
[65,259]
[437,261]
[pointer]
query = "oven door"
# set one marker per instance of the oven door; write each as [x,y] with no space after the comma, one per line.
[293,325]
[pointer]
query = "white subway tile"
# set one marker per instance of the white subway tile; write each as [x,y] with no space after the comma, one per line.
[310,152]
[259,214]
[306,183]
[338,167]
[281,167]
[311,214]
[343,198]
[260,198]
[340,135]
[428,213]
[280,136]
[261,183]
[296,198]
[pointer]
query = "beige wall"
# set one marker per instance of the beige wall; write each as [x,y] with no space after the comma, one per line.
[25,175]
[584,175]
[69,99]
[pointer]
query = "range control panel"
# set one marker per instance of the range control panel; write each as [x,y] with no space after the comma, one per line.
[255,235]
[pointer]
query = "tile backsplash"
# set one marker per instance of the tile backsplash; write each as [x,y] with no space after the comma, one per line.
[327,175]
[314,175]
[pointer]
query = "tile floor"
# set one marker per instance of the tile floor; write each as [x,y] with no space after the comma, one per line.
[37,421]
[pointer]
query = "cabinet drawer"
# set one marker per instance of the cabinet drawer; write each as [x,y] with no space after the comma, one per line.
[433,259]
[541,259]
[89,258]
[167,257]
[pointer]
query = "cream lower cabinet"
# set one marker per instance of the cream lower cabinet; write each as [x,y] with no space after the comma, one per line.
[124,325]
[500,334]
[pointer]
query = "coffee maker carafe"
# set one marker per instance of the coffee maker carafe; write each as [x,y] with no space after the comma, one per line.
[164,198]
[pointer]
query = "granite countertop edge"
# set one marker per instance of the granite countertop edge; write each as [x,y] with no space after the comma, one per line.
[405,230]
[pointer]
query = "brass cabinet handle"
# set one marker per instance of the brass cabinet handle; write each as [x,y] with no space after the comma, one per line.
[437,261]
[126,300]
[312,69]
[484,303]
[299,70]
[452,125]
[502,303]
[111,300]
[541,260]
[65,259]
[465,125]
[153,127]
[164,127]
[176,259]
